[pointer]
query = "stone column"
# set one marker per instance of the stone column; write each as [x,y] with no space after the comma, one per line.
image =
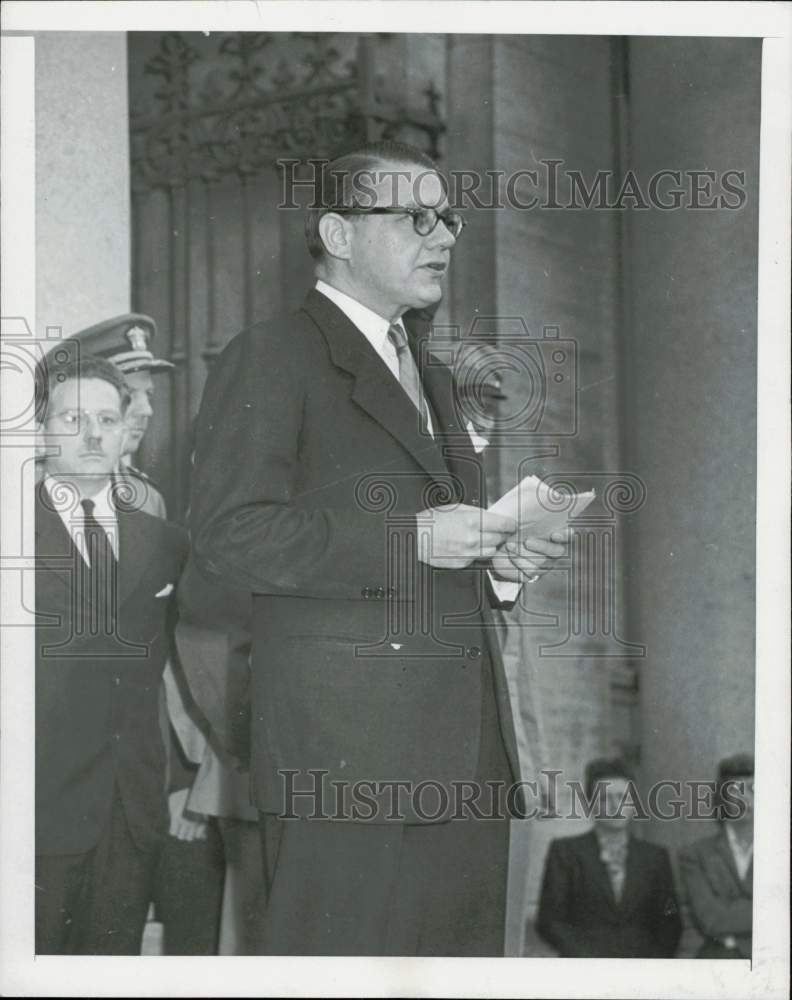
[531,273]
[691,379]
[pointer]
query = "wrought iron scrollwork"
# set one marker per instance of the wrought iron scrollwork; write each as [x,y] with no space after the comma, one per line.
[250,99]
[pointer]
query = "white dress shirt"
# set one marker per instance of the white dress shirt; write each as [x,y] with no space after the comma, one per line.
[375,329]
[741,853]
[66,501]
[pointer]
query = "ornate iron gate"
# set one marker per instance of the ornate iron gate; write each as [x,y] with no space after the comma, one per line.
[210,118]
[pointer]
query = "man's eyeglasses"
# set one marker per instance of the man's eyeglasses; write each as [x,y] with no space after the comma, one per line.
[77,420]
[424,220]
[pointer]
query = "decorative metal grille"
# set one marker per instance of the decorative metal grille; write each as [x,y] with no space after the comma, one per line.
[255,98]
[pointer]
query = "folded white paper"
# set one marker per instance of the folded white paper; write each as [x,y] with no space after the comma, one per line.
[540,509]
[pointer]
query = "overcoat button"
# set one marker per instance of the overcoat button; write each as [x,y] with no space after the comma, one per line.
[473,652]
[365,593]
[380,593]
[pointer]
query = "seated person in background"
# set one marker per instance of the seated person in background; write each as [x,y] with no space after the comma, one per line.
[104,573]
[606,894]
[717,871]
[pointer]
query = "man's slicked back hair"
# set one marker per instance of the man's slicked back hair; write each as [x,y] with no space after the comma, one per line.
[341,181]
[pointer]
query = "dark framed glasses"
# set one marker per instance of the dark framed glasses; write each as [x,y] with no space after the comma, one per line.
[424,220]
[78,420]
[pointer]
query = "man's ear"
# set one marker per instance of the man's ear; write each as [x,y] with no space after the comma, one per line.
[40,445]
[336,235]
[124,437]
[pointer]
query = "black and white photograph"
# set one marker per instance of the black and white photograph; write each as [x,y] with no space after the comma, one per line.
[395,455]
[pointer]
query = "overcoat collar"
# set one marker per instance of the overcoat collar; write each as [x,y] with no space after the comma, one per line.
[631,872]
[379,395]
[723,856]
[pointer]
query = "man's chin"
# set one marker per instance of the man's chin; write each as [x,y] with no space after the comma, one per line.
[429,295]
[95,467]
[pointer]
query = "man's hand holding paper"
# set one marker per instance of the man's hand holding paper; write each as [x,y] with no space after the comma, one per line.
[525,559]
[542,515]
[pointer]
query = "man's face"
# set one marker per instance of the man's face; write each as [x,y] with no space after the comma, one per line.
[394,268]
[139,411]
[617,809]
[85,424]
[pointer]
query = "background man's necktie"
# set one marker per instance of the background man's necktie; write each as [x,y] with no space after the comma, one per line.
[408,372]
[100,580]
[614,856]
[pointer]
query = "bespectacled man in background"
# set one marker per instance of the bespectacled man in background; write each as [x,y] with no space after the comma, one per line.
[104,576]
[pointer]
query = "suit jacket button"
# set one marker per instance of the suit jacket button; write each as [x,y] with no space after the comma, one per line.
[380,593]
[365,593]
[473,652]
[391,591]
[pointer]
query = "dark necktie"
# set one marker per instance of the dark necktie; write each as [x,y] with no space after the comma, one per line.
[100,581]
[408,372]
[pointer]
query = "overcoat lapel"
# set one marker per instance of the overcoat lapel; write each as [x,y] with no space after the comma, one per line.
[632,874]
[136,549]
[725,859]
[458,451]
[55,550]
[375,390]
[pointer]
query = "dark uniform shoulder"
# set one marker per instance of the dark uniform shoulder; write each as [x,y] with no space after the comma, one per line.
[132,470]
[134,490]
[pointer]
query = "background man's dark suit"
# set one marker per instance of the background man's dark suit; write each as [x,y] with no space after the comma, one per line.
[721,903]
[99,753]
[309,470]
[579,916]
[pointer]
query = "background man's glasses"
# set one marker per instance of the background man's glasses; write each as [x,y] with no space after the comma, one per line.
[424,220]
[77,420]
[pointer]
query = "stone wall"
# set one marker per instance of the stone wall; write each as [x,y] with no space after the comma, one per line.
[690,348]
[82,179]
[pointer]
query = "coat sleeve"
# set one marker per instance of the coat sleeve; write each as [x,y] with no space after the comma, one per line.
[667,922]
[714,914]
[248,527]
[553,921]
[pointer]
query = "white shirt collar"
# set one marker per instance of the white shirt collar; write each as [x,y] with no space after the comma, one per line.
[103,504]
[742,853]
[373,326]
[66,502]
